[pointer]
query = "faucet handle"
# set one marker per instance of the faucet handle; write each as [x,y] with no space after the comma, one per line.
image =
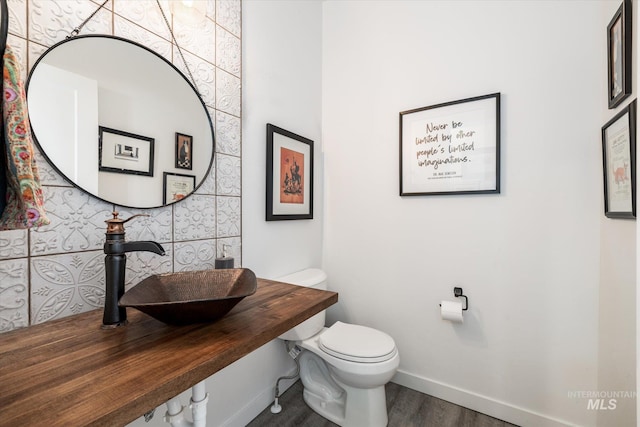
[115,225]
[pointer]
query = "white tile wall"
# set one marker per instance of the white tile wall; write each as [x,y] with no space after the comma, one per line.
[14,294]
[58,270]
[66,284]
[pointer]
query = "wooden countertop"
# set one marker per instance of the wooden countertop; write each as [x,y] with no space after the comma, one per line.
[70,372]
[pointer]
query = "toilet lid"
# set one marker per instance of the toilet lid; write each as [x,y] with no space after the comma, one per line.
[357,343]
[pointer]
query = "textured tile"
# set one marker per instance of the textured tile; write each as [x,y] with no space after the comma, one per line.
[211,9]
[14,294]
[108,5]
[13,244]
[52,21]
[48,174]
[128,30]
[156,226]
[203,72]
[77,222]
[227,51]
[233,249]
[228,131]
[228,15]
[35,52]
[19,48]
[18,17]
[228,93]
[62,285]
[199,37]
[229,212]
[195,218]
[61,262]
[194,255]
[209,184]
[228,175]
[141,265]
[146,11]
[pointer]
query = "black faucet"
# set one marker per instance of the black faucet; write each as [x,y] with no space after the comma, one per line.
[115,262]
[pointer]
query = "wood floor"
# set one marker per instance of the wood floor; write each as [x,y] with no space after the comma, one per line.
[406,407]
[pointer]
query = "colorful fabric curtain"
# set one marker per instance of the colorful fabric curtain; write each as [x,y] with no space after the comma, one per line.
[24,201]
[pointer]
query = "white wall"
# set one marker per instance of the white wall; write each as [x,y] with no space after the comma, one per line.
[528,259]
[617,296]
[282,86]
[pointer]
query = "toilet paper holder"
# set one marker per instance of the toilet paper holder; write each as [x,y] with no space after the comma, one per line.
[457,292]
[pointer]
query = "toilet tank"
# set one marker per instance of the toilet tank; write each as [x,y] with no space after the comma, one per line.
[310,278]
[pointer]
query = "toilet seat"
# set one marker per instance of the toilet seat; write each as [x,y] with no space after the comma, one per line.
[357,343]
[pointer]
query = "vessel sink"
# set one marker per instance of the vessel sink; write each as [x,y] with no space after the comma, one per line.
[192,296]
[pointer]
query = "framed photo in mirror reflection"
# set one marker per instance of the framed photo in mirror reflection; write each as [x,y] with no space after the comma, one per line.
[177,186]
[124,152]
[184,151]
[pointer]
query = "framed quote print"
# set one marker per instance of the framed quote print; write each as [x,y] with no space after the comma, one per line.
[451,148]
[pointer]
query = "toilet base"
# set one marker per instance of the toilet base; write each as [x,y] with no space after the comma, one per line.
[367,407]
[333,410]
[326,395]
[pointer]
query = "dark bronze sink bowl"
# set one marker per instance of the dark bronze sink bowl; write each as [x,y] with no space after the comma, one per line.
[192,296]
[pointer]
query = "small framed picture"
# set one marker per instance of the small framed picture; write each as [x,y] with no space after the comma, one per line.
[177,186]
[289,175]
[124,152]
[618,157]
[619,54]
[184,151]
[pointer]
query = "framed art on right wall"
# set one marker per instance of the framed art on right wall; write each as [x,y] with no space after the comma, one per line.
[619,54]
[618,158]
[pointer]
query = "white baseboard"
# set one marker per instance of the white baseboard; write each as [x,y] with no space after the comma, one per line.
[258,404]
[477,402]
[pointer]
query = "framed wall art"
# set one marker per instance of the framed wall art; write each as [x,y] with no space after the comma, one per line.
[619,54]
[176,186]
[184,151]
[618,158]
[289,175]
[124,152]
[451,148]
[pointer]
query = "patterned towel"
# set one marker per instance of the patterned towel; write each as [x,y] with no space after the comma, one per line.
[24,199]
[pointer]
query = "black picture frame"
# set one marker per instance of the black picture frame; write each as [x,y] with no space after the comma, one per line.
[619,166]
[184,151]
[125,152]
[176,186]
[289,175]
[619,41]
[451,148]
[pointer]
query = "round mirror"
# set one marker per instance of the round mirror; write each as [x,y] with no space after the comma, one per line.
[119,121]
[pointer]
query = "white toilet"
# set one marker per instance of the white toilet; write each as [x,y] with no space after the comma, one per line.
[345,367]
